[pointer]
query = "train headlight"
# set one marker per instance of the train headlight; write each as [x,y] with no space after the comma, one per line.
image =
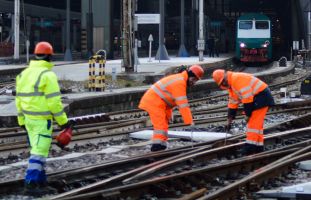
[266,44]
[242,45]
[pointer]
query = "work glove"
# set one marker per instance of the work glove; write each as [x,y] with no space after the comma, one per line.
[229,124]
[64,137]
[192,126]
[69,124]
[228,127]
[23,127]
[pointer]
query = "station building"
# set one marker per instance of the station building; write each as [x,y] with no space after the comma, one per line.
[45,20]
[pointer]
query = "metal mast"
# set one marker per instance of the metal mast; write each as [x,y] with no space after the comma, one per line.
[16,28]
[127,35]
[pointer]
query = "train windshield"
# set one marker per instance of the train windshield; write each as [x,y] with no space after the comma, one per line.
[245,25]
[262,25]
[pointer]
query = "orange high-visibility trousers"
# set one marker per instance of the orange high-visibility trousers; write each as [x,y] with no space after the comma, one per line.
[160,121]
[254,130]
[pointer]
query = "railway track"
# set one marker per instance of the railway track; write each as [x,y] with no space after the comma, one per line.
[164,163]
[15,143]
[4,86]
[213,168]
[104,180]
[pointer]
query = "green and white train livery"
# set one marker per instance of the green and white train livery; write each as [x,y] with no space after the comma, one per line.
[253,41]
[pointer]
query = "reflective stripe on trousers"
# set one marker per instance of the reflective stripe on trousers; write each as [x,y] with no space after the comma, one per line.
[159,137]
[159,121]
[35,172]
[254,131]
[39,134]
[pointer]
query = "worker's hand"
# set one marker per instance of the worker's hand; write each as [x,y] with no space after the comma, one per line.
[69,124]
[229,120]
[23,127]
[192,125]
[229,124]
[246,118]
[228,128]
[64,137]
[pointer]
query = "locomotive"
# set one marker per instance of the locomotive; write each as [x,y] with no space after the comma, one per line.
[253,38]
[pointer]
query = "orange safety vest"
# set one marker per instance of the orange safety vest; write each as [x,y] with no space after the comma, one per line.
[243,88]
[167,93]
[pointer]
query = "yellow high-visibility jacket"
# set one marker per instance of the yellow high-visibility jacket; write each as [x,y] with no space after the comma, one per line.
[38,95]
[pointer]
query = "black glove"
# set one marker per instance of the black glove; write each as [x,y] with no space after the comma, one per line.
[232,113]
[228,127]
[23,127]
[229,124]
[69,124]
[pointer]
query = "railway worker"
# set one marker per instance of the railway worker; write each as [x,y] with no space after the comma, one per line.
[38,102]
[256,98]
[163,96]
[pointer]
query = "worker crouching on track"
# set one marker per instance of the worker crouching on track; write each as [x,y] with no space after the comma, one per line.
[163,96]
[38,101]
[256,98]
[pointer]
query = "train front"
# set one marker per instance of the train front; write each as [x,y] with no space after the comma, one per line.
[253,42]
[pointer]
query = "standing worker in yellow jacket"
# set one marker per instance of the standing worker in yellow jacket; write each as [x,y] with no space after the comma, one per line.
[163,96]
[256,98]
[38,102]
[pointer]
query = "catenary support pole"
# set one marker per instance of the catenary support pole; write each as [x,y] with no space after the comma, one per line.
[16,28]
[201,31]
[90,30]
[68,55]
[182,52]
[162,52]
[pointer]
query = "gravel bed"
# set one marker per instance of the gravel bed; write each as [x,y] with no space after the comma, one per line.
[92,157]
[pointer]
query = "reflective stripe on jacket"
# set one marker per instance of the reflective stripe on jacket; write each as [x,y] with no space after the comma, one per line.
[167,93]
[38,95]
[243,88]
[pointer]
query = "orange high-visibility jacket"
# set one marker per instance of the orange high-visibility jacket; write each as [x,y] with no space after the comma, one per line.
[243,88]
[167,93]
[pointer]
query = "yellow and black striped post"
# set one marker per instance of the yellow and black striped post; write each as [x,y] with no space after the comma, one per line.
[91,83]
[97,82]
[101,75]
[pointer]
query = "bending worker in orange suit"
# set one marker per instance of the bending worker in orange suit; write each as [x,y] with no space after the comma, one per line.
[256,98]
[163,96]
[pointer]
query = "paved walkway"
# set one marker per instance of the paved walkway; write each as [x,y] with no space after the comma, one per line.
[78,71]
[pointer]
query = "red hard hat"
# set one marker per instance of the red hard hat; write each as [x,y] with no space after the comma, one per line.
[197,70]
[44,48]
[218,76]
[64,137]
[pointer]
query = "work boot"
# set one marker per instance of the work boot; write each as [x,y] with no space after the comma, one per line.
[259,149]
[38,190]
[44,187]
[249,149]
[32,189]
[157,147]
